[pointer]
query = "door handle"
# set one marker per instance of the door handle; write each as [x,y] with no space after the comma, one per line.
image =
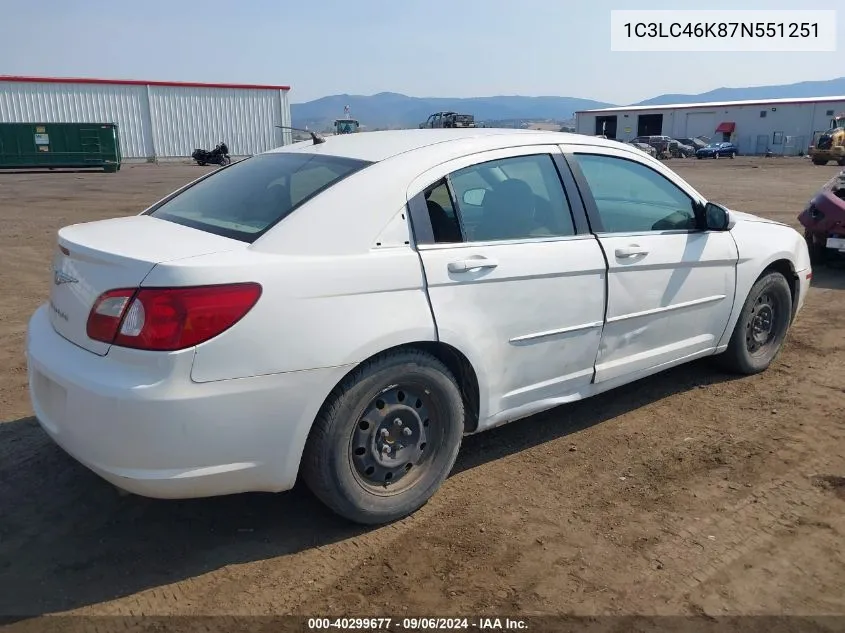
[465,265]
[631,251]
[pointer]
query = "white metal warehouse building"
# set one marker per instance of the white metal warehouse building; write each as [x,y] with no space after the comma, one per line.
[784,126]
[156,119]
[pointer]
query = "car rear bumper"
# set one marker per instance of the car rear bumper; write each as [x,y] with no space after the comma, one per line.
[150,430]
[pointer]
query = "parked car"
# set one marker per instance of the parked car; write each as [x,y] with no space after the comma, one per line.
[824,221]
[717,150]
[644,147]
[661,144]
[666,146]
[680,150]
[696,143]
[347,311]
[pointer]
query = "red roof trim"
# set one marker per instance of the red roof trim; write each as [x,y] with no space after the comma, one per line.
[137,82]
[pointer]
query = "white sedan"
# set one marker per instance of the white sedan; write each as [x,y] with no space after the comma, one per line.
[348,310]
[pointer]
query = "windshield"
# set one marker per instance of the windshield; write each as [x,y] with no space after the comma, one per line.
[715,145]
[245,200]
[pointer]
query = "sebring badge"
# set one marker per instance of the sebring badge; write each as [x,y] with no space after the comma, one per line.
[60,278]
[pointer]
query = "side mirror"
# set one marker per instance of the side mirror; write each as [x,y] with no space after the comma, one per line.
[474,197]
[716,217]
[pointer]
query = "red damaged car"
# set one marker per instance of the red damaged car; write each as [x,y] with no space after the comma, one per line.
[824,221]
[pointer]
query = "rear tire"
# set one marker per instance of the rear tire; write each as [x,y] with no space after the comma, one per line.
[386,439]
[761,328]
[732,154]
[817,161]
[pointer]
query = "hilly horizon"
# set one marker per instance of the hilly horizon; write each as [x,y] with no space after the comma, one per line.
[394,110]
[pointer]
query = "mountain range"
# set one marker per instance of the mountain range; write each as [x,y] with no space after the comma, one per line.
[392,110]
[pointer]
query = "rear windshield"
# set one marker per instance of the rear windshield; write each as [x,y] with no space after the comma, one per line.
[245,200]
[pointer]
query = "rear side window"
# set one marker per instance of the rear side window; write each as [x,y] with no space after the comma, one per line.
[245,200]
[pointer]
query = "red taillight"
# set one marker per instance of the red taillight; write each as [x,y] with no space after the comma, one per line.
[167,319]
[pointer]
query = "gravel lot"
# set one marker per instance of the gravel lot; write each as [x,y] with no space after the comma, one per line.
[691,492]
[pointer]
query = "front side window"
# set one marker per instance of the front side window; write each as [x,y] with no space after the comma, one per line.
[244,200]
[632,197]
[510,199]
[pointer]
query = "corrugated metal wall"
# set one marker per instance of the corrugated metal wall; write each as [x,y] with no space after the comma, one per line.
[158,121]
[82,103]
[186,118]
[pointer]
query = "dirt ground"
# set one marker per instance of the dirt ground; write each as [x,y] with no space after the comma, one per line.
[692,492]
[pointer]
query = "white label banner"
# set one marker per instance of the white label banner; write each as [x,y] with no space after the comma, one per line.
[723,31]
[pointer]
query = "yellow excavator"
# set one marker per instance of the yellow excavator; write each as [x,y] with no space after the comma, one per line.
[831,144]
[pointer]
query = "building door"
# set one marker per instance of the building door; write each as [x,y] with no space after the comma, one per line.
[650,125]
[700,124]
[606,125]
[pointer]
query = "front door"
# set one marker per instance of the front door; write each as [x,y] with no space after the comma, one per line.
[670,284]
[512,284]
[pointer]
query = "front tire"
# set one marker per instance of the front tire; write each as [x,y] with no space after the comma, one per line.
[386,439]
[761,328]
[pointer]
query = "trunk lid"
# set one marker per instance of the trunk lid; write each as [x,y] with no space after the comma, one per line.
[94,257]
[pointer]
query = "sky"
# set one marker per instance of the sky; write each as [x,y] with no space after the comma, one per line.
[424,48]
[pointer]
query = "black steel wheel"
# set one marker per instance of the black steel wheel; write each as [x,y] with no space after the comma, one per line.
[386,439]
[762,326]
[389,447]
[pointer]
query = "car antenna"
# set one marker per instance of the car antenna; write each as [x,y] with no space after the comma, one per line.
[314,136]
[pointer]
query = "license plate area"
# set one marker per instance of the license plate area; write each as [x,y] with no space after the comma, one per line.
[837,243]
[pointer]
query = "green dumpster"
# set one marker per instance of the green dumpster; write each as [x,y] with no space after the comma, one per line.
[59,145]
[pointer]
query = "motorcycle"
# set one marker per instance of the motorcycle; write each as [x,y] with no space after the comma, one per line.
[217,156]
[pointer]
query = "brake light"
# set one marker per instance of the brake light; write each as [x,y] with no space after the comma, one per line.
[168,319]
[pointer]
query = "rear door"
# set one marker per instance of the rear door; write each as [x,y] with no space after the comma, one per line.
[670,284]
[515,280]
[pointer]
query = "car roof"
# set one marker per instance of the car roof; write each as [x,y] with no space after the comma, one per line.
[381,145]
